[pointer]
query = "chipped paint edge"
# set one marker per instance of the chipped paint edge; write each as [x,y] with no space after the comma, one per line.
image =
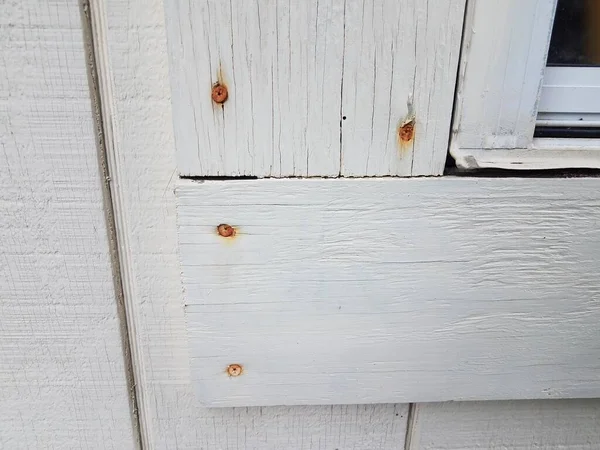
[526,158]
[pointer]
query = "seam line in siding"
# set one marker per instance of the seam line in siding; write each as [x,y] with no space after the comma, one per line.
[109,213]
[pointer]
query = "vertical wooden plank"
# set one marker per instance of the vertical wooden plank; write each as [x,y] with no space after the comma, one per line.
[134,42]
[438,50]
[62,374]
[282,65]
[540,424]
[400,62]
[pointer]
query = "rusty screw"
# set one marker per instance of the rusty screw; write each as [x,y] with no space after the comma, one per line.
[219,93]
[234,370]
[226,230]
[407,131]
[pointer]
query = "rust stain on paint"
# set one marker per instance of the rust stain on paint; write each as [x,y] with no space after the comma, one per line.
[226,230]
[234,370]
[406,127]
[219,92]
[406,132]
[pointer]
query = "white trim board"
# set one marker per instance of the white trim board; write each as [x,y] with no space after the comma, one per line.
[391,290]
[544,153]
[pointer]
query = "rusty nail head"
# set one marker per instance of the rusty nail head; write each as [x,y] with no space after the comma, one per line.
[226,230]
[406,131]
[219,93]
[234,370]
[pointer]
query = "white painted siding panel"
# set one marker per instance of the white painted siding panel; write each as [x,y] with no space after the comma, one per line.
[510,425]
[62,375]
[389,290]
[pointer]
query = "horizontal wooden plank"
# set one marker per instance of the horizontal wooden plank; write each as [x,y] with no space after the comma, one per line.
[390,290]
[545,153]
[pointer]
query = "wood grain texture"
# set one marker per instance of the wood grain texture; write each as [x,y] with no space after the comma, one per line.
[514,425]
[133,42]
[391,290]
[544,153]
[502,67]
[396,53]
[282,64]
[62,375]
[316,88]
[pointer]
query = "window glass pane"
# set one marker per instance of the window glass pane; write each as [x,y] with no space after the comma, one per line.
[576,33]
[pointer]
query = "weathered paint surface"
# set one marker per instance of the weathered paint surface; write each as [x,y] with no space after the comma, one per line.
[544,425]
[392,290]
[62,375]
[174,417]
[144,176]
[315,88]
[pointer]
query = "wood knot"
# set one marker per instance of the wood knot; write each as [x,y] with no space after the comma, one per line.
[234,370]
[225,230]
[219,93]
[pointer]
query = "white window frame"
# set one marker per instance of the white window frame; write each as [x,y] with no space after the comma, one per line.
[505,47]
[570,97]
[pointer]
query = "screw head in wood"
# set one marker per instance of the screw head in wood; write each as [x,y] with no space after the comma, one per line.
[407,131]
[225,230]
[234,370]
[219,93]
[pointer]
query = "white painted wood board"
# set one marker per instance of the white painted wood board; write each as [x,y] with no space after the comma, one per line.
[540,425]
[501,72]
[132,40]
[62,374]
[316,88]
[392,290]
[282,64]
[396,53]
